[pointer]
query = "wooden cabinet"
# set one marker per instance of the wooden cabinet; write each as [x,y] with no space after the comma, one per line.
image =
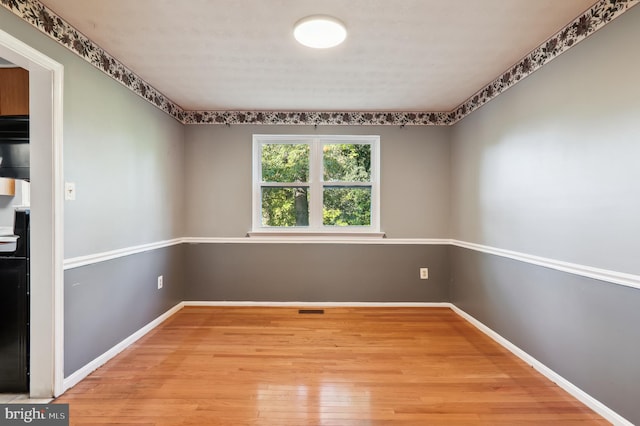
[14,91]
[14,100]
[7,186]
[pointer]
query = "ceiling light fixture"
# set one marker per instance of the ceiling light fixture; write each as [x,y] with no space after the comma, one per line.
[319,31]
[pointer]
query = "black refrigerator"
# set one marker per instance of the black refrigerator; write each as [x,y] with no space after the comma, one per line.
[14,310]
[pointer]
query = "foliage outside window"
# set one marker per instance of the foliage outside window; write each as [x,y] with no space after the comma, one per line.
[316,183]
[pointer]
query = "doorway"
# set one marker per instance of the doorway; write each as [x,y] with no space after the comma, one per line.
[47,226]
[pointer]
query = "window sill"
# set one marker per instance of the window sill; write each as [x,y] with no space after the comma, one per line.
[315,236]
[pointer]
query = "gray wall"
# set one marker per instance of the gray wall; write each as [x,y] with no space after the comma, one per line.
[583,329]
[550,168]
[125,156]
[414,178]
[108,301]
[316,272]
[414,204]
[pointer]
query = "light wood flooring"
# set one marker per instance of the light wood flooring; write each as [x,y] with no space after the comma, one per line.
[350,366]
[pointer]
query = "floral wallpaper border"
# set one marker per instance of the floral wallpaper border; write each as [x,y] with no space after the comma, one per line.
[599,15]
[41,17]
[317,118]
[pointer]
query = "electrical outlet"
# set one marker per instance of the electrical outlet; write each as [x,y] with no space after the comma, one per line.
[160,282]
[424,273]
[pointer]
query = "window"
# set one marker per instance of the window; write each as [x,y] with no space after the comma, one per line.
[316,184]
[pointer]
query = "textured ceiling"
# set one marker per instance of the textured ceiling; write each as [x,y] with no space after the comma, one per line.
[402,55]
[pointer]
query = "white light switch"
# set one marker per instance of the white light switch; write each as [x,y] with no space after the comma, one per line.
[424,273]
[69,191]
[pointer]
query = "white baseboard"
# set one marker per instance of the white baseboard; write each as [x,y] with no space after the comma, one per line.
[323,304]
[569,387]
[83,372]
[572,389]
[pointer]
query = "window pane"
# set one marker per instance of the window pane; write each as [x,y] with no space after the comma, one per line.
[347,206]
[285,162]
[285,206]
[347,162]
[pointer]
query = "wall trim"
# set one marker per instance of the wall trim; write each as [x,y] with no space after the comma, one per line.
[316,239]
[90,259]
[569,387]
[606,275]
[83,372]
[614,277]
[76,262]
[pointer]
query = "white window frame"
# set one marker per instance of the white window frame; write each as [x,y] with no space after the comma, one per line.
[315,185]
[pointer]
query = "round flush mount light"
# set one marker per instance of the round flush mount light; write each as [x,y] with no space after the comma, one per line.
[319,31]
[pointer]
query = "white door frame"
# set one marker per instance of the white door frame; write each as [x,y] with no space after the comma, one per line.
[46,78]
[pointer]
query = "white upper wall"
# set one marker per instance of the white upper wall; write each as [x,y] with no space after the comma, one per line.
[551,167]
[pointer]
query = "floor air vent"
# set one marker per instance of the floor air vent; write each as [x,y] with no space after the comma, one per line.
[311,311]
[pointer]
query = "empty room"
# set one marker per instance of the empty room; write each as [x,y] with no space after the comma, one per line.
[334,212]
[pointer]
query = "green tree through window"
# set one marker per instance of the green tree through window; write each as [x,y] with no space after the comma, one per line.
[285,163]
[316,182]
[345,206]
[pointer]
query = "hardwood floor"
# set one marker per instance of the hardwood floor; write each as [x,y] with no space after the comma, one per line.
[349,366]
